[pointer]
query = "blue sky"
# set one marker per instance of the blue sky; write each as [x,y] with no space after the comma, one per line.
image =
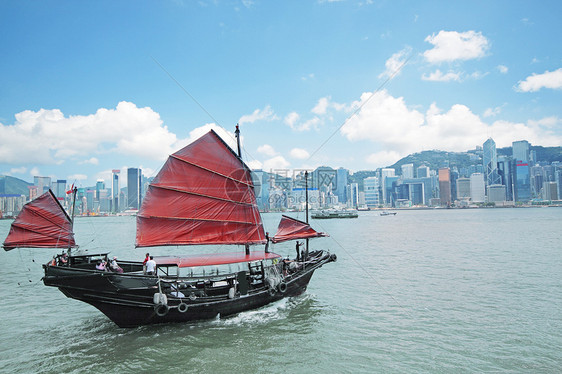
[91,86]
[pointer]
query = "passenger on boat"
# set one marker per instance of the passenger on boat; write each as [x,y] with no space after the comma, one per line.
[114,266]
[101,265]
[63,259]
[298,252]
[53,261]
[144,263]
[151,266]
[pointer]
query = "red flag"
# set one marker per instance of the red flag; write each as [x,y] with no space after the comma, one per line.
[71,189]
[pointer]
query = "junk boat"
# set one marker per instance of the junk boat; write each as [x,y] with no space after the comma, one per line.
[203,195]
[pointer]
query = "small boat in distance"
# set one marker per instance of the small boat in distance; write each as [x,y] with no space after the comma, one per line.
[387,213]
[334,213]
[203,195]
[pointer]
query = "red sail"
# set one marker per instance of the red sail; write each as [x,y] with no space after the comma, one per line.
[42,223]
[293,229]
[203,194]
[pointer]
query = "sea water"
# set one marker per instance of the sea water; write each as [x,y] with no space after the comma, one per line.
[428,291]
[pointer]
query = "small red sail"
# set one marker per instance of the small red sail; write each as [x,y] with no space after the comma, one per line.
[293,229]
[42,223]
[203,194]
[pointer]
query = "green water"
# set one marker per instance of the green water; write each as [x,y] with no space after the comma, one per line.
[432,291]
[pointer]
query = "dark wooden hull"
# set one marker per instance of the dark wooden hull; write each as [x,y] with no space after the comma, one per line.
[128,299]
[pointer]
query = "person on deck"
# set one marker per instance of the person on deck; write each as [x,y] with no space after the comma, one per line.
[101,265]
[144,263]
[114,266]
[151,266]
[298,252]
[63,259]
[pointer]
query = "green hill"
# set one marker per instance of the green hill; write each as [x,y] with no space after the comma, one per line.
[11,185]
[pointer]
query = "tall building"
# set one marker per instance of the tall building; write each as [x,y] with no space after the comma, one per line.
[341,186]
[353,195]
[445,186]
[463,188]
[477,188]
[505,170]
[490,161]
[496,193]
[115,190]
[550,191]
[522,181]
[520,150]
[386,173]
[408,171]
[59,189]
[423,171]
[371,189]
[43,184]
[134,188]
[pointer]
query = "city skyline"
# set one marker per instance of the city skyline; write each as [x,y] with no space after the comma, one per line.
[353,84]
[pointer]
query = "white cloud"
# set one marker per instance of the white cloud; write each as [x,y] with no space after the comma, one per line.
[438,76]
[549,79]
[503,69]
[91,160]
[254,164]
[107,130]
[383,158]
[21,170]
[322,106]
[395,63]
[299,153]
[277,162]
[492,112]
[267,150]
[291,119]
[34,172]
[387,122]
[452,45]
[307,77]
[265,114]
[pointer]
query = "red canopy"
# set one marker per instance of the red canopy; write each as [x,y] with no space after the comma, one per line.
[203,194]
[293,229]
[215,259]
[42,223]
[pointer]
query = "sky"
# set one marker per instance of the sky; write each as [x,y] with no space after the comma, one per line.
[91,86]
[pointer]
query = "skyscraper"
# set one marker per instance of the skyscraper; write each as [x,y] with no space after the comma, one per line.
[522,181]
[520,150]
[115,190]
[341,190]
[371,188]
[477,188]
[134,186]
[490,160]
[445,186]
[408,171]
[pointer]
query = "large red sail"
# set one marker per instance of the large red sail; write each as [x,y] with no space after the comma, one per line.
[293,229]
[203,194]
[42,223]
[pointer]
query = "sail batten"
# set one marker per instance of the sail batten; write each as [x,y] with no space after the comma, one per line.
[293,229]
[42,223]
[203,194]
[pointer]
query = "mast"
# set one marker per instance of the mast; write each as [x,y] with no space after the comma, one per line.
[306,205]
[237,134]
[74,190]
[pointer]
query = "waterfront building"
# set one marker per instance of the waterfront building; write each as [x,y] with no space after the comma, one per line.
[520,150]
[505,170]
[100,185]
[11,204]
[490,163]
[522,190]
[537,180]
[353,195]
[134,188]
[371,189]
[558,180]
[386,173]
[342,176]
[115,190]
[407,171]
[463,188]
[477,188]
[550,191]
[445,186]
[261,181]
[390,190]
[496,193]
